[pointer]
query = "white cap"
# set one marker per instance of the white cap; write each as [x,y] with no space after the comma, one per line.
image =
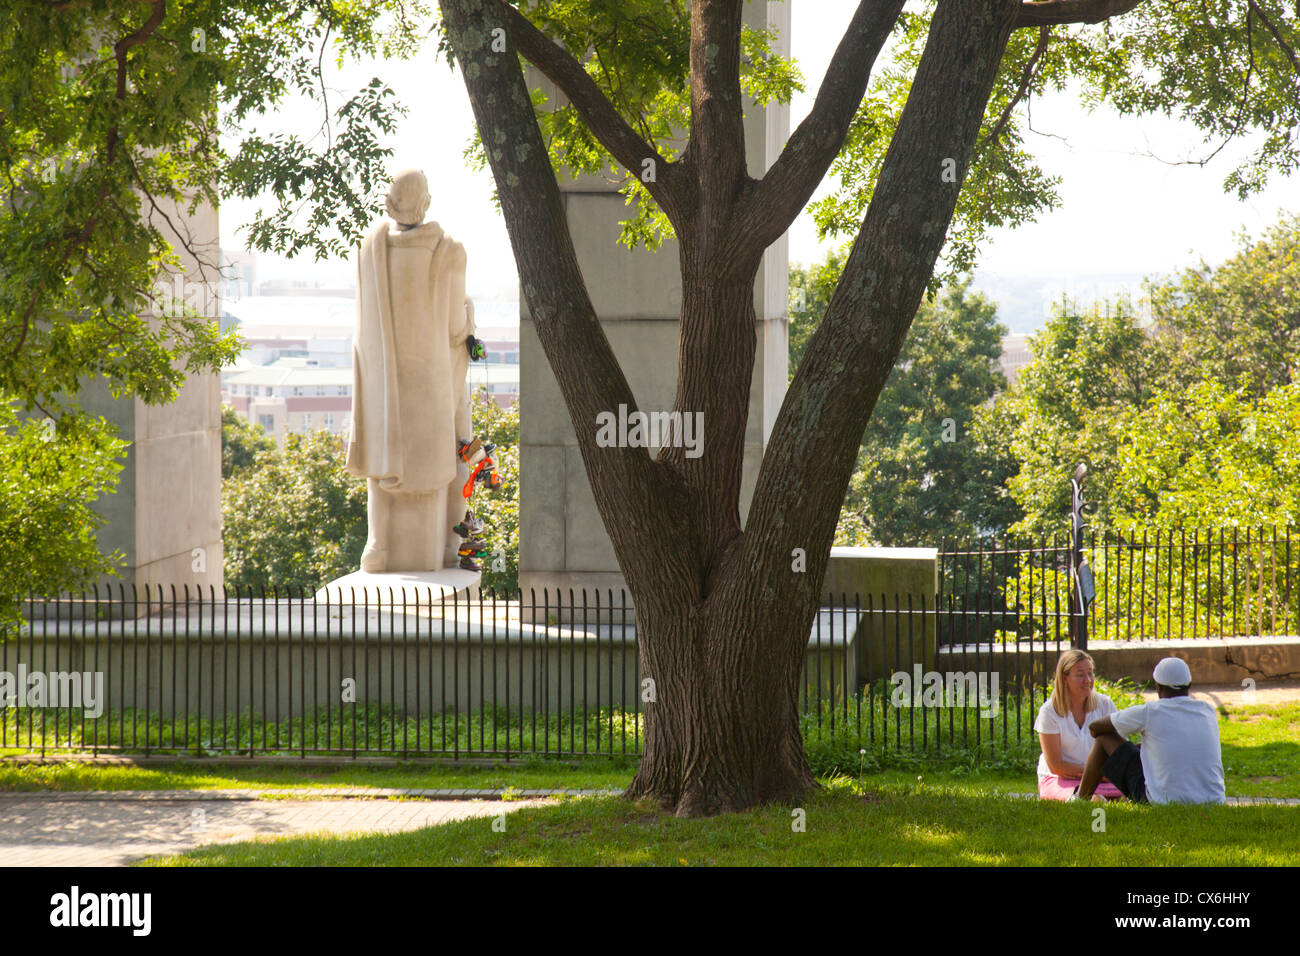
[1173,672]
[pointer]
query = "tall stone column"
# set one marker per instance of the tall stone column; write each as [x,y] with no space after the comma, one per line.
[637,295]
[165,516]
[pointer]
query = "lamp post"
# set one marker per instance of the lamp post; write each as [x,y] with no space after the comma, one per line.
[1082,587]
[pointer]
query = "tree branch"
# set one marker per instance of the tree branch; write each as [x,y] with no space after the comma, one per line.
[597,112]
[1037,13]
[717,141]
[1025,79]
[1286,48]
[817,434]
[120,50]
[185,236]
[781,195]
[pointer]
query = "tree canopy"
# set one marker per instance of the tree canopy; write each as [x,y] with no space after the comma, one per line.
[111,122]
[1162,405]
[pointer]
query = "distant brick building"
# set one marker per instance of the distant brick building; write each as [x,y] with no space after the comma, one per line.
[292,395]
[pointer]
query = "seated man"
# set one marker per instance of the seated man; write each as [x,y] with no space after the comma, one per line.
[1179,760]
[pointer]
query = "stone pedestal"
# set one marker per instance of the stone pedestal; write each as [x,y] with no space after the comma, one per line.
[412,589]
[892,593]
[637,296]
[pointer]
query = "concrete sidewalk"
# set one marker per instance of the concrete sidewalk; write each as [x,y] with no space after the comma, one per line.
[111,829]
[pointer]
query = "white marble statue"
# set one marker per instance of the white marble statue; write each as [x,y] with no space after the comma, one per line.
[410,403]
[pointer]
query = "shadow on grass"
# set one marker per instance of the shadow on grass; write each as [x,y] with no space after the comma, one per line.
[536,773]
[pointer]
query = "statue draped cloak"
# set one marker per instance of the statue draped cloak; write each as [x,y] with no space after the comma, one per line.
[408,358]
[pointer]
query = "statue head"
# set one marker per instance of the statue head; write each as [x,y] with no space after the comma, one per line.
[408,198]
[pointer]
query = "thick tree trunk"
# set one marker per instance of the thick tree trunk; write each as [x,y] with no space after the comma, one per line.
[723,619]
[722,728]
[722,725]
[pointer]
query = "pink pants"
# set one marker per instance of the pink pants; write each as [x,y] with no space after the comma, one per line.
[1053,787]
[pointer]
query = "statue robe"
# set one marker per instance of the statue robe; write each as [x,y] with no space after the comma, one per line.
[408,372]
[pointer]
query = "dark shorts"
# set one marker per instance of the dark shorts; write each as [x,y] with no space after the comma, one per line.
[1123,768]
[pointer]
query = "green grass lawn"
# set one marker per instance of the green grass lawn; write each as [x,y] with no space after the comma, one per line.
[882,822]
[1261,750]
[945,806]
[1261,758]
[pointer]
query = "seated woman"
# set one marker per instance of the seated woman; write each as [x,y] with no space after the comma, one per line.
[1062,727]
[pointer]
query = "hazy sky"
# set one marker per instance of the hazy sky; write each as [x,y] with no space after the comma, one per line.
[1122,211]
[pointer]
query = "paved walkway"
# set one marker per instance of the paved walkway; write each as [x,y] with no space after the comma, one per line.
[1265,693]
[111,829]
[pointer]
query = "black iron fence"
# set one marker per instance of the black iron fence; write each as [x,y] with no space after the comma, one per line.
[206,673]
[1153,585]
[424,674]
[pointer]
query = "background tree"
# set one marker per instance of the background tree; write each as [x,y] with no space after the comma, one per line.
[1210,456]
[926,468]
[810,293]
[500,509]
[1085,395]
[1240,321]
[49,479]
[1188,428]
[293,519]
[921,472]
[242,442]
[1091,371]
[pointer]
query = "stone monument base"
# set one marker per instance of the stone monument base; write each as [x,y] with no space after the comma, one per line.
[394,587]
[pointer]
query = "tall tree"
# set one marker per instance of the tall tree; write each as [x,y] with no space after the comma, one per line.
[722,618]
[1238,322]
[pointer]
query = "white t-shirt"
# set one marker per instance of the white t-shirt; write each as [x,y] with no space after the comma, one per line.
[1076,741]
[1181,759]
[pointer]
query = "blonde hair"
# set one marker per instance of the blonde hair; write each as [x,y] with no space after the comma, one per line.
[1067,661]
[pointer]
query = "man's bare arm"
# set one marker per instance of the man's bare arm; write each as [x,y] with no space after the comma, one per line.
[1101,725]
